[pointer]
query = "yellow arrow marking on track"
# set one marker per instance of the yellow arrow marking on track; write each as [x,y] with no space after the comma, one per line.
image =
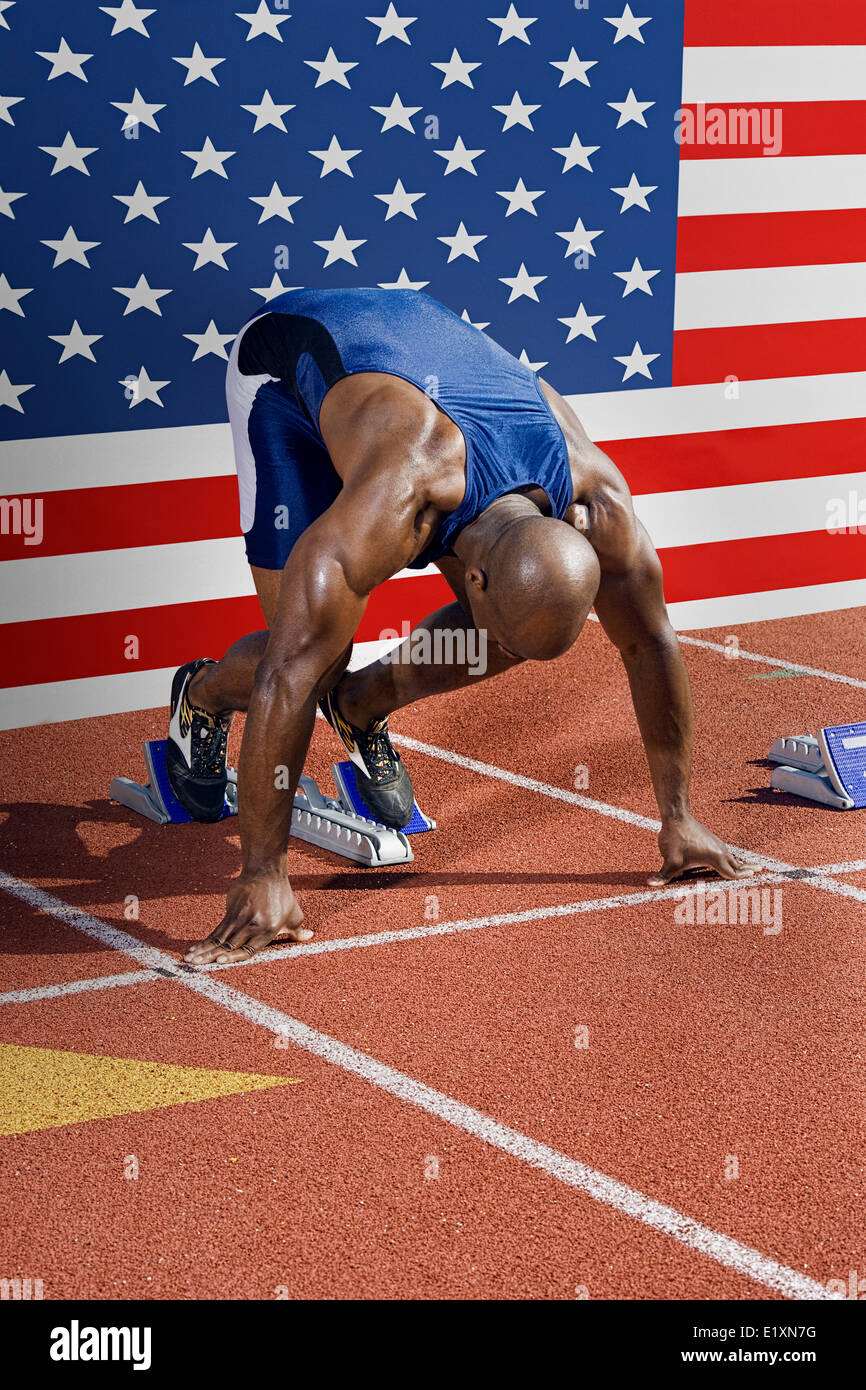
[42,1088]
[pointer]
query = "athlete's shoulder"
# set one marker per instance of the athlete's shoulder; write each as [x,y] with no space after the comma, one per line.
[380,417]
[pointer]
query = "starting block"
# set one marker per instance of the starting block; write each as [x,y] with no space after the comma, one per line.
[830,768]
[341,823]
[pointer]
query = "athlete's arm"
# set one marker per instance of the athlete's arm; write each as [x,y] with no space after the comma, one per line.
[631,608]
[365,537]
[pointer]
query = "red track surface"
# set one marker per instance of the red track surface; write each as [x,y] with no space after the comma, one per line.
[704,1041]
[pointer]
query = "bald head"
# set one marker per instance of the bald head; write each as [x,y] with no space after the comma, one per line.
[534,581]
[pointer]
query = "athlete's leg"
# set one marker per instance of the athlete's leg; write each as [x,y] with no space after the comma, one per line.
[405,675]
[416,670]
[226,685]
[286,480]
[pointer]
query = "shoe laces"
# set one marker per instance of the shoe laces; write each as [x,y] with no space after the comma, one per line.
[380,754]
[212,736]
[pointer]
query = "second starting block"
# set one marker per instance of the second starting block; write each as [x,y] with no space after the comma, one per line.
[341,823]
[830,768]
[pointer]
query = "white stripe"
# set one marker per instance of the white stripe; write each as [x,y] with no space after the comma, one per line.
[664,410]
[109,581]
[145,577]
[736,609]
[59,586]
[778,294]
[732,1254]
[501,919]
[814,72]
[59,701]
[119,457]
[788,183]
[702,515]
[774,661]
[42,466]
[95,696]
[27,996]
[56,702]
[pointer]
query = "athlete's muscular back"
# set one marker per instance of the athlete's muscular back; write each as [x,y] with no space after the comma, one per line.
[373,409]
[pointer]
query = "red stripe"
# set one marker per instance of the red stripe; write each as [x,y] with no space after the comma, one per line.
[57,649]
[736,241]
[761,563]
[402,600]
[724,457]
[800,127]
[742,23]
[758,351]
[93,644]
[116,518]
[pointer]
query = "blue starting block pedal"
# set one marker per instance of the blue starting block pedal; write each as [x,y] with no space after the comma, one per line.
[155,799]
[342,824]
[830,768]
[344,779]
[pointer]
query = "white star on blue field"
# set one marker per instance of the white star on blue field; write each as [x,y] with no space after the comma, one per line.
[168,169]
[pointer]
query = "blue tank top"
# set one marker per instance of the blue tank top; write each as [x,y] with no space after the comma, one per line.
[309,339]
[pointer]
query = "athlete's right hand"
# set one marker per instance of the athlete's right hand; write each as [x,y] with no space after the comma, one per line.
[260,908]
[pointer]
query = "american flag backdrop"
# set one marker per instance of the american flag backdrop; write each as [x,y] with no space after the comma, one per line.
[661,207]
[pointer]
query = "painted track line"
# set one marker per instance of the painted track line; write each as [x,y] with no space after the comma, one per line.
[731,1254]
[499,919]
[764,660]
[742,654]
[27,996]
[399,935]
[853,866]
[818,879]
[450,928]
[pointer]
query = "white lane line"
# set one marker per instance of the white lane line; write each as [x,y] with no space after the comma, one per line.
[819,876]
[450,928]
[732,1254]
[772,661]
[852,866]
[499,919]
[389,938]
[588,803]
[762,660]
[532,784]
[27,996]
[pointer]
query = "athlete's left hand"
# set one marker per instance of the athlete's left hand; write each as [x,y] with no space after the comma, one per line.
[687,844]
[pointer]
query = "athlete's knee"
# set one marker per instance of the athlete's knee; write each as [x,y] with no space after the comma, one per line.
[334,673]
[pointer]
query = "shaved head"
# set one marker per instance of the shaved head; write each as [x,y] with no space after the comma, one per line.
[531,579]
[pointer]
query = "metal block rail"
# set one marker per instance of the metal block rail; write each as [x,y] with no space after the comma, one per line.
[324,821]
[341,824]
[830,768]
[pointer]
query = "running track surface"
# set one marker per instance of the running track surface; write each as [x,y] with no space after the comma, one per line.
[590,1098]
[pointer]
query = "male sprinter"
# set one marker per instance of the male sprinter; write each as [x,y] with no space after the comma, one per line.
[375,430]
